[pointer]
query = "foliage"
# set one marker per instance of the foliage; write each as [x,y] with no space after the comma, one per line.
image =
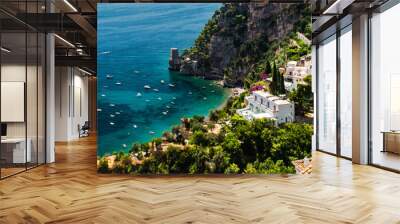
[232,169]
[302,97]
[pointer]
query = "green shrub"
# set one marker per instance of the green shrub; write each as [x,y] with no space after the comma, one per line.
[232,169]
[103,166]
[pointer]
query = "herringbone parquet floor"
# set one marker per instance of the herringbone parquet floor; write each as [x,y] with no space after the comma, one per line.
[70,191]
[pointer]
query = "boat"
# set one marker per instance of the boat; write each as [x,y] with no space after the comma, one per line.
[109,76]
[103,95]
[151,132]
[204,98]
[99,110]
[147,87]
[203,87]
[156,90]
[112,115]
[111,123]
[118,83]
[138,94]
[162,81]
[174,98]
[167,106]
[136,71]
[171,85]
[147,100]
[104,52]
[117,113]
[172,102]
[134,126]
[112,105]
[190,93]
[159,98]
[165,112]
[124,145]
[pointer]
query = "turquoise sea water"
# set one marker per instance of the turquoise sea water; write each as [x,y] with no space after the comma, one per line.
[134,41]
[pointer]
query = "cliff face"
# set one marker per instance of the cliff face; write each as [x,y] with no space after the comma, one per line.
[240,36]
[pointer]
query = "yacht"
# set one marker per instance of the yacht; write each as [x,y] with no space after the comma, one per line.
[171,85]
[147,87]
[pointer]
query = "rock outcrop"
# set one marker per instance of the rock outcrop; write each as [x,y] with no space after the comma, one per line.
[239,36]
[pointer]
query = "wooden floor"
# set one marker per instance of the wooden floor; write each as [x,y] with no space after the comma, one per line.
[70,191]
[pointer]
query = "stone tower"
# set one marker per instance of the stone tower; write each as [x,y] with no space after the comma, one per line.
[174,60]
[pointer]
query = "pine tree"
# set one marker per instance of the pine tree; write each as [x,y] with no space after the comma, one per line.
[268,68]
[275,77]
[282,84]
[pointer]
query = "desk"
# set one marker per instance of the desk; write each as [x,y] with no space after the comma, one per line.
[13,150]
[391,141]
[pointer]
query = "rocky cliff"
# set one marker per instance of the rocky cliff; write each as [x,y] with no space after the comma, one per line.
[241,37]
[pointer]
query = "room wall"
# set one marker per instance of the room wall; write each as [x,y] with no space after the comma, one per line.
[33,127]
[71,102]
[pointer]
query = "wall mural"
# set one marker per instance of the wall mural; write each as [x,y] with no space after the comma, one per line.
[204,88]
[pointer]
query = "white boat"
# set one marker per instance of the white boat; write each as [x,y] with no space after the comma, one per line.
[105,52]
[99,110]
[138,94]
[118,83]
[117,113]
[136,71]
[111,123]
[204,98]
[171,85]
[162,81]
[212,91]
[172,102]
[167,106]
[151,132]
[109,76]
[147,87]
[112,105]
[112,115]
[203,87]
[165,112]
[134,126]
[190,93]
[124,145]
[159,98]
[156,90]
[103,95]
[147,100]
[174,98]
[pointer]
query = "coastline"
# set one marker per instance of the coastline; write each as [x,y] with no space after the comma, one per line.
[228,93]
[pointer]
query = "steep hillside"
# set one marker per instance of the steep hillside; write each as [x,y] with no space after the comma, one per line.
[241,37]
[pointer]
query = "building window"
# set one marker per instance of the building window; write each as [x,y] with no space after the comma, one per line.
[385,89]
[346,92]
[327,95]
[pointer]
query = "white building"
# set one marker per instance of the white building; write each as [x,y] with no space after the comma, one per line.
[296,72]
[262,104]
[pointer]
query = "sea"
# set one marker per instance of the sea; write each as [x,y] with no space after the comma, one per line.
[134,42]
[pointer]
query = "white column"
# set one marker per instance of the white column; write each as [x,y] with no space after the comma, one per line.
[314,90]
[50,100]
[360,90]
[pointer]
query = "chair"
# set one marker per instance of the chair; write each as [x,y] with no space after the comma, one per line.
[84,130]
